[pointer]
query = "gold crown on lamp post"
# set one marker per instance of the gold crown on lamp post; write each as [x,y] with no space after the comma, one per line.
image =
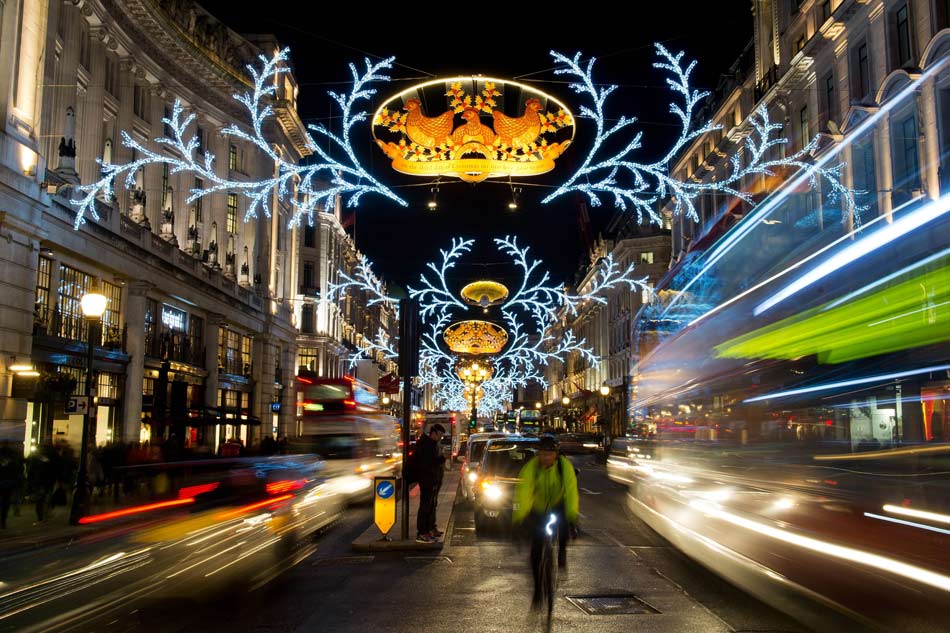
[470,137]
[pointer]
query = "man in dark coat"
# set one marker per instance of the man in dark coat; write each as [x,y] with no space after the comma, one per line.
[428,465]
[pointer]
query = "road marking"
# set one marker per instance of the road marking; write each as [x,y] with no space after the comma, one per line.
[590,492]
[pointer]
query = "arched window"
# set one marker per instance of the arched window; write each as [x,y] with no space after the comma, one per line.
[107,152]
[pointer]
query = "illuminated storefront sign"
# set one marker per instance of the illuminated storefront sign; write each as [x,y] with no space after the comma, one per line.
[173,318]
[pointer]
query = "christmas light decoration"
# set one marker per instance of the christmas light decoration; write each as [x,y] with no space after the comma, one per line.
[298,184]
[643,185]
[530,315]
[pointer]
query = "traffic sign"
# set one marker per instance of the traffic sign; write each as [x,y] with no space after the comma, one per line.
[385,507]
[77,404]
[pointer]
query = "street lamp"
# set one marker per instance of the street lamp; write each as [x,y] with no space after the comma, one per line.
[537,405]
[93,305]
[605,426]
[565,401]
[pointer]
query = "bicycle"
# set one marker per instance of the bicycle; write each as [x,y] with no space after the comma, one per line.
[548,566]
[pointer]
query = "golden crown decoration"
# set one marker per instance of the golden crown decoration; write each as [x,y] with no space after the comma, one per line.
[475,337]
[487,128]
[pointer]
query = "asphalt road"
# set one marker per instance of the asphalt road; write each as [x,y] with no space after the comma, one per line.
[475,584]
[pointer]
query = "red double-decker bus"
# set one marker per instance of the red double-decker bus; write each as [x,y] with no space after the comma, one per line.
[323,396]
[340,420]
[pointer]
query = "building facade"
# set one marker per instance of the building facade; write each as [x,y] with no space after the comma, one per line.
[608,329]
[821,67]
[336,328]
[199,339]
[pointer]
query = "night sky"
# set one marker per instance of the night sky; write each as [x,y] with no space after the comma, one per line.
[507,40]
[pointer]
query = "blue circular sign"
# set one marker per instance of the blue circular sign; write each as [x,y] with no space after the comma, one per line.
[385,489]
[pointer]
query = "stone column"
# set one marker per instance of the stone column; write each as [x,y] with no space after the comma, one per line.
[213,324]
[930,151]
[262,373]
[136,305]
[882,162]
[89,124]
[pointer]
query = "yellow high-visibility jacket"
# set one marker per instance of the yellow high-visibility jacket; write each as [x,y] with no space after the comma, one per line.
[541,489]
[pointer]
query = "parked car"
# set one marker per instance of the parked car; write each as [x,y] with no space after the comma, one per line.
[497,476]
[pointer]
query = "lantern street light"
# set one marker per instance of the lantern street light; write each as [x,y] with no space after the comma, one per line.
[605,427]
[93,305]
[537,405]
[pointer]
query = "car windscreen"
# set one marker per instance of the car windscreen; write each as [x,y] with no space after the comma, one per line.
[476,450]
[507,460]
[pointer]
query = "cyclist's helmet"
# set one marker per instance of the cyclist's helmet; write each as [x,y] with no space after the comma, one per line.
[548,443]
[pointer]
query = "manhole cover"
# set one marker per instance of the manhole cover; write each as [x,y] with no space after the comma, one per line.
[428,559]
[345,560]
[619,604]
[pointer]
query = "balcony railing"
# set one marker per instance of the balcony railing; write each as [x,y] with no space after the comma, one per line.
[234,366]
[166,344]
[75,327]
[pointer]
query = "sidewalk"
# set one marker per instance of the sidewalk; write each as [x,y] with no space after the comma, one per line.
[369,540]
[24,532]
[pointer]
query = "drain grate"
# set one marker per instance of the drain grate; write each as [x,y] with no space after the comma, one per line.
[617,604]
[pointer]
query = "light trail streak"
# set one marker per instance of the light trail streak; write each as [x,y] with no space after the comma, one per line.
[908,523]
[848,383]
[751,221]
[869,244]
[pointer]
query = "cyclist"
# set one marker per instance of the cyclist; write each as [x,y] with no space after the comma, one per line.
[546,485]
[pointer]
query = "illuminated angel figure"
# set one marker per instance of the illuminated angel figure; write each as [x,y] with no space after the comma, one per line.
[304,186]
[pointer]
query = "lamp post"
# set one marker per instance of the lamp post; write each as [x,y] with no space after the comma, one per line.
[566,401]
[474,376]
[93,305]
[605,392]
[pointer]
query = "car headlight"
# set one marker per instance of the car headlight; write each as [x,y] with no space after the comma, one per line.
[492,492]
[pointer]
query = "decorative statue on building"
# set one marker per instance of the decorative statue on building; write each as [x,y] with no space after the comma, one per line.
[194,241]
[229,258]
[213,247]
[245,270]
[138,200]
[168,219]
[66,167]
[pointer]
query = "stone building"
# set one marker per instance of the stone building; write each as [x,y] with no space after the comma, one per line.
[199,337]
[822,67]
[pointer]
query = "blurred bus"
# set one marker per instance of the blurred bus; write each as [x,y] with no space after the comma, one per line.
[340,420]
[530,421]
[794,380]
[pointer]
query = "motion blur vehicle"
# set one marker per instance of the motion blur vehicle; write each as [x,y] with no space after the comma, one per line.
[339,419]
[497,476]
[228,525]
[580,443]
[474,451]
[796,370]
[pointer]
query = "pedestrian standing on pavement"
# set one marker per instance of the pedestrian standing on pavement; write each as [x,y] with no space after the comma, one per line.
[11,474]
[428,464]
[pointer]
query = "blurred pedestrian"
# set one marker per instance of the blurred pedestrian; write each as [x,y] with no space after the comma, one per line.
[11,479]
[40,479]
[428,463]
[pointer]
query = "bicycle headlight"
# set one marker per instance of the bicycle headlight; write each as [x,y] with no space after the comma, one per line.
[472,476]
